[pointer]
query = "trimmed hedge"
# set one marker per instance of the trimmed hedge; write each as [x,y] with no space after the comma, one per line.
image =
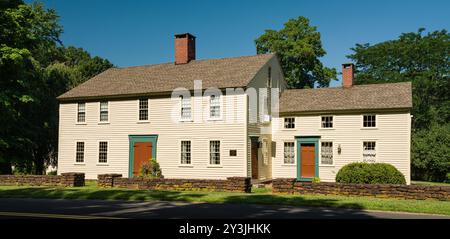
[370,173]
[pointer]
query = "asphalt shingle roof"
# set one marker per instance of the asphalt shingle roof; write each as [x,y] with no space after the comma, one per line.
[357,97]
[132,81]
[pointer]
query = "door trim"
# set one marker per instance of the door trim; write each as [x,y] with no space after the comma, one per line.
[152,138]
[307,140]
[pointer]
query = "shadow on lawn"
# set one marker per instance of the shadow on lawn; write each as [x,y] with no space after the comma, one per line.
[230,205]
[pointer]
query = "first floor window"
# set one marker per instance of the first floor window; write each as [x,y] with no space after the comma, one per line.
[143,109]
[214,152]
[369,151]
[103,152]
[79,158]
[327,121]
[185,152]
[186,108]
[289,123]
[326,153]
[289,152]
[214,106]
[81,112]
[104,111]
[369,121]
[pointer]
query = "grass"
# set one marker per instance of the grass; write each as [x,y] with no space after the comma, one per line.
[259,196]
[429,183]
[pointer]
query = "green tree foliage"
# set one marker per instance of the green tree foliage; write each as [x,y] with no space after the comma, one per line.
[35,68]
[299,48]
[423,59]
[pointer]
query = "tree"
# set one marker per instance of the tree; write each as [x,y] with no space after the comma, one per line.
[299,48]
[35,68]
[423,59]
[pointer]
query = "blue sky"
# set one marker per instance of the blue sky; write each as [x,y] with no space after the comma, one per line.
[131,33]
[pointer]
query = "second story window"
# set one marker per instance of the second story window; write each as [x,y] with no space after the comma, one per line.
[81,113]
[214,106]
[327,122]
[104,111]
[186,109]
[289,123]
[369,121]
[143,109]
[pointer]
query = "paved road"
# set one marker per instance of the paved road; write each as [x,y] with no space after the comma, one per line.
[99,209]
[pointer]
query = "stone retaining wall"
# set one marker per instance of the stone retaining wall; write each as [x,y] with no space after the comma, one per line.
[290,185]
[231,184]
[65,180]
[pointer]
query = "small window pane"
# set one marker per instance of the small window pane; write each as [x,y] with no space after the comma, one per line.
[186,108]
[143,109]
[289,123]
[103,152]
[81,113]
[185,152]
[326,153]
[104,111]
[214,152]
[79,158]
[327,121]
[369,121]
[214,102]
[369,151]
[289,153]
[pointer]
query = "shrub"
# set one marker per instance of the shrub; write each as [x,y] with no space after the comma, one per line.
[316,180]
[151,169]
[370,173]
[447,180]
[52,173]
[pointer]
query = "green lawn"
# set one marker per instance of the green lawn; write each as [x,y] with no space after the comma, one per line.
[260,196]
[429,183]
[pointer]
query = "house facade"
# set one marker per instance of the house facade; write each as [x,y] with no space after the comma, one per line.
[219,118]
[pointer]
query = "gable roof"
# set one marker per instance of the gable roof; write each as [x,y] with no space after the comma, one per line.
[141,80]
[357,97]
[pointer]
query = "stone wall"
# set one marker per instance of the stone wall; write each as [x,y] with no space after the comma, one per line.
[290,185]
[65,180]
[231,184]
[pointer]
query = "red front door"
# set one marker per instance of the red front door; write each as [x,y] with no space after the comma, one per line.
[142,154]
[254,155]
[308,162]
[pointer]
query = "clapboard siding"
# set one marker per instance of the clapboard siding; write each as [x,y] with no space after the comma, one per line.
[123,121]
[392,137]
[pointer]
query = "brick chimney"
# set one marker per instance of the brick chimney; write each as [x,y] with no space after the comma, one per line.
[184,48]
[348,70]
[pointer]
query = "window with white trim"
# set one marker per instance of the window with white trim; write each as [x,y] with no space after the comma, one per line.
[214,106]
[369,121]
[79,157]
[104,111]
[326,153]
[214,152]
[185,152]
[289,153]
[81,113]
[369,151]
[103,152]
[327,122]
[143,109]
[289,123]
[186,108]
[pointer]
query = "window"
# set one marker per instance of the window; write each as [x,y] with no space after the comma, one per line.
[369,151]
[143,109]
[326,153]
[81,116]
[104,111]
[185,152]
[214,106]
[289,153]
[103,152]
[327,121]
[214,152]
[79,158]
[289,123]
[185,108]
[369,121]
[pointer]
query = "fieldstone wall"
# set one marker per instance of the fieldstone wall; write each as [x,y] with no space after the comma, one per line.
[291,185]
[65,180]
[231,184]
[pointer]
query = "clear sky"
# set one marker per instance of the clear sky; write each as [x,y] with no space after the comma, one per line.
[134,32]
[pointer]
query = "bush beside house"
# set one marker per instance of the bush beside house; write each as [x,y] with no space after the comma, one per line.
[370,173]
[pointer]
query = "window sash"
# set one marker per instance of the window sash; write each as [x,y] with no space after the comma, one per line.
[79,156]
[214,106]
[214,152]
[289,152]
[327,121]
[104,111]
[369,121]
[143,109]
[186,108]
[81,112]
[103,152]
[185,152]
[326,153]
[369,151]
[289,123]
